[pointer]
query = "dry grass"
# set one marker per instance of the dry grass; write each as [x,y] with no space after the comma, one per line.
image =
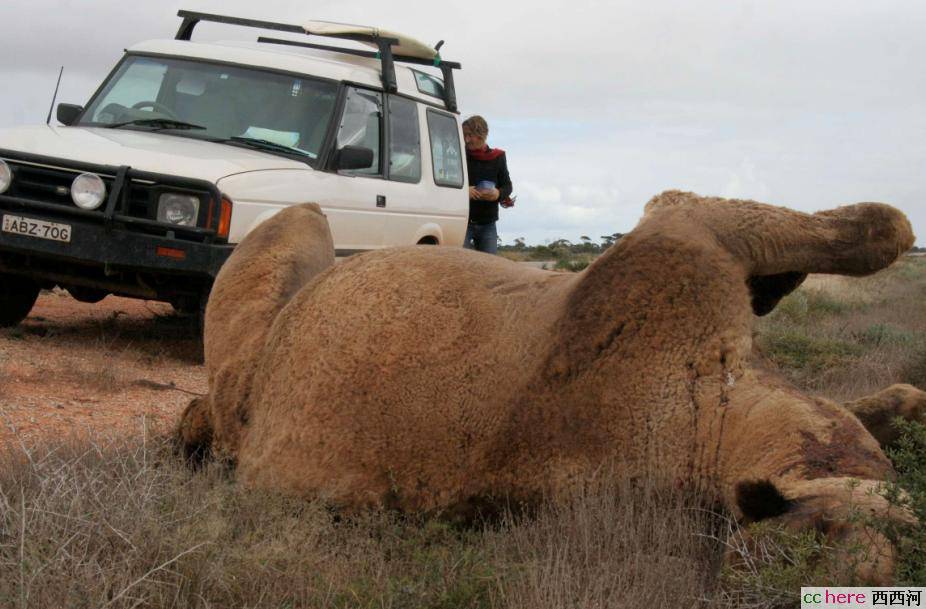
[124,524]
[845,338]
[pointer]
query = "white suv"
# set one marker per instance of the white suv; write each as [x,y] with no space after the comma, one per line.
[187,146]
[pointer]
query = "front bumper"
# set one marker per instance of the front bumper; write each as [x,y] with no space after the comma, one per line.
[114,249]
[120,247]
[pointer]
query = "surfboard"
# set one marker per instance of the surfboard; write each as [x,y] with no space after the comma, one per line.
[407,46]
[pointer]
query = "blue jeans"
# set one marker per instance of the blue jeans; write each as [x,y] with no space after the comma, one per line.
[481,237]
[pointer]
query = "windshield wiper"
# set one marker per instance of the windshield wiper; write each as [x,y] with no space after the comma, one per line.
[266,145]
[156,123]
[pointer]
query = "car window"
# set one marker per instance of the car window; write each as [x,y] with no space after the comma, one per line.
[404,140]
[429,85]
[288,110]
[445,149]
[139,80]
[361,125]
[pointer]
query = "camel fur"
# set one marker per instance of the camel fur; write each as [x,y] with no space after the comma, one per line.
[426,378]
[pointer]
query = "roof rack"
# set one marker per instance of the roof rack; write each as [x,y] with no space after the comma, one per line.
[384,45]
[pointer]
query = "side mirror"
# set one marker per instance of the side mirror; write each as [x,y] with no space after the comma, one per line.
[67,113]
[353,157]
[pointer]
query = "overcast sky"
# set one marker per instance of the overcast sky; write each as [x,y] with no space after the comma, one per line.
[600,105]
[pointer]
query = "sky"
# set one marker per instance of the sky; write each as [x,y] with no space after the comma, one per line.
[599,105]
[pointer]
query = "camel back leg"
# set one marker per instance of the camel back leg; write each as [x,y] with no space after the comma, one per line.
[778,247]
[878,411]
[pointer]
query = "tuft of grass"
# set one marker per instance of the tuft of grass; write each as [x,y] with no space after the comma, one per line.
[879,334]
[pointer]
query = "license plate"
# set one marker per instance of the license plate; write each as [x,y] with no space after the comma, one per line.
[37,228]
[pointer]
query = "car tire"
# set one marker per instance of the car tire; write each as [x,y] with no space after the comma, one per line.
[85,294]
[17,295]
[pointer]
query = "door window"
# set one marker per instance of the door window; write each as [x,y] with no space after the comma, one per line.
[361,125]
[404,140]
[445,149]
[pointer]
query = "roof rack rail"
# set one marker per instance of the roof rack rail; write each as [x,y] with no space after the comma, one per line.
[384,45]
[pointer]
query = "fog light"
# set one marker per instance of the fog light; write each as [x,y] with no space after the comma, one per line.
[178,209]
[88,191]
[6,176]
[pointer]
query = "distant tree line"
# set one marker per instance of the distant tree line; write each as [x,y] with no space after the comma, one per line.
[561,249]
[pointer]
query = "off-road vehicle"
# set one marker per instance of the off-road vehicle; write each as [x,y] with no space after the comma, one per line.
[186,146]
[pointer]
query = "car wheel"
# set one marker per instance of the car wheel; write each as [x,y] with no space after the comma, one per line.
[85,294]
[17,295]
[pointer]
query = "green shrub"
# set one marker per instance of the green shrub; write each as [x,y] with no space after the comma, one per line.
[808,304]
[885,334]
[573,265]
[908,492]
[793,348]
[770,564]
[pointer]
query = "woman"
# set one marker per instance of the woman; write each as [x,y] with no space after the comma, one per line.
[489,184]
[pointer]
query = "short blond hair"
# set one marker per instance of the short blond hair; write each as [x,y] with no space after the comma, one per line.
[476,125]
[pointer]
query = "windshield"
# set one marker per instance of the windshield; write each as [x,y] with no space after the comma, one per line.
[277,113]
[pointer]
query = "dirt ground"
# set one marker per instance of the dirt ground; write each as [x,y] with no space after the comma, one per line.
[118,365]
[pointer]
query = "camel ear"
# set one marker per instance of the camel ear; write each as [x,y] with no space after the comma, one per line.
[759,500]
[768,290]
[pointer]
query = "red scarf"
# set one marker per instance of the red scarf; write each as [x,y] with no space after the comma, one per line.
[486,154]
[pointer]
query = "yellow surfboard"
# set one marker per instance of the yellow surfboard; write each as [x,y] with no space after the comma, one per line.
[408,46]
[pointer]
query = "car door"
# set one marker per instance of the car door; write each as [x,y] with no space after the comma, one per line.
[428,205]
[355,207]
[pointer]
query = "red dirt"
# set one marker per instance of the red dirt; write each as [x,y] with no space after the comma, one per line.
[116,366]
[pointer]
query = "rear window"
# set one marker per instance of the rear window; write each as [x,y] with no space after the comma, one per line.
[429,85]
[445,149]
[404,140]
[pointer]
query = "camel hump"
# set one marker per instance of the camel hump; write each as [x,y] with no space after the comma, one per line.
[268,267]
[669,199]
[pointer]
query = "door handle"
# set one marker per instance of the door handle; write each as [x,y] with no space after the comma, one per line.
[380,200]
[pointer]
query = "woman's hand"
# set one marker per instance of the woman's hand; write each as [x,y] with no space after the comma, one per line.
[484,195]
[490,195]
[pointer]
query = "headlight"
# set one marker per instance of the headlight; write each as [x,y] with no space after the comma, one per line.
[178,209]
[88,191]
[6,176]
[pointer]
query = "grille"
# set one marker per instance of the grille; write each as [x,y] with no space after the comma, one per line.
[49,185]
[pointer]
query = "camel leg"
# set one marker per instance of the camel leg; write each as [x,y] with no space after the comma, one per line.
[852,240]
[878,411]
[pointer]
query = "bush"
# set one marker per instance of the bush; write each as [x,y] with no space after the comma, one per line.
[808,304]
[793,348]
[908,492]
[574,265]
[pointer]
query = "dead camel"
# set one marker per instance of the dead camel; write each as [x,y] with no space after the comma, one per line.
[430,378]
